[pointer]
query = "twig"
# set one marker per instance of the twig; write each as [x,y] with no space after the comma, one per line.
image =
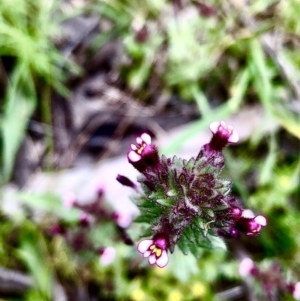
[231,294]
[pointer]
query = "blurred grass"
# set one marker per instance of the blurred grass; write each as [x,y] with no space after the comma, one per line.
[27,29]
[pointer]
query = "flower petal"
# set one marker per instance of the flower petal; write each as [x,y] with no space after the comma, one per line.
[146,254]
[261,220]
[152,259]
[146,138]
[133,147]
[144,245]
[247,213]
[163,260]
[139,140]
[133,156]
[246,266]
[234,137]
[296,292]
[214,126]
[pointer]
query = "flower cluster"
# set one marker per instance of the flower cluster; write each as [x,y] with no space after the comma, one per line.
[80,234]
[186,202]
[271,279]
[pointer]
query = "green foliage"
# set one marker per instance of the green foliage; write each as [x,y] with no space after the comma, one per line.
[26,37]
[33,251]
[218,62]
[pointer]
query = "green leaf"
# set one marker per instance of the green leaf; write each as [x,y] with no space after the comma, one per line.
[182,266]
[17,111]
[33,251]
[165,202]
[217,242]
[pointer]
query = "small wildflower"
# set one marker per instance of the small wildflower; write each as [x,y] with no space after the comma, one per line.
[246,267]
[187,198]
[198,289]
[123,219]
[107,255]
[136,152]
[175,295]
[143,154]
[156,250]
[138,295]
[70,200]
[251,226]
[222,135]
[296,291]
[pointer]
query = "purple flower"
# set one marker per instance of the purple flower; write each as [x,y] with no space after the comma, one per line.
[236,212]
[84,219]
[143,154]
[222,135]
[251,226]
[155,249]
[137,150]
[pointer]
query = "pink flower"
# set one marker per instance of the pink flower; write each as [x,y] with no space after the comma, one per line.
[137,149]
[70,200]
[143,154]
[251,226]
[107,255]
[296,291]
[123,219]
[246,267]
[156,250]
[225,131]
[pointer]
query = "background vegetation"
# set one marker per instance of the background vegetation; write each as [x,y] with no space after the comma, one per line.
[66,64]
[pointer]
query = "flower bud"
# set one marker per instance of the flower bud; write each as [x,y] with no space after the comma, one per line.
[125,181]
[222,135]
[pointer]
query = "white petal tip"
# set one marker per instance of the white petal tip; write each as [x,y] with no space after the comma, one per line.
[152,259]
[144,245]
[261,220]
[162,261]
[214,126]
[247,213]
[296,293]
[146,138]
[246,266]
[234,137]
[133,156]
[108,256]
